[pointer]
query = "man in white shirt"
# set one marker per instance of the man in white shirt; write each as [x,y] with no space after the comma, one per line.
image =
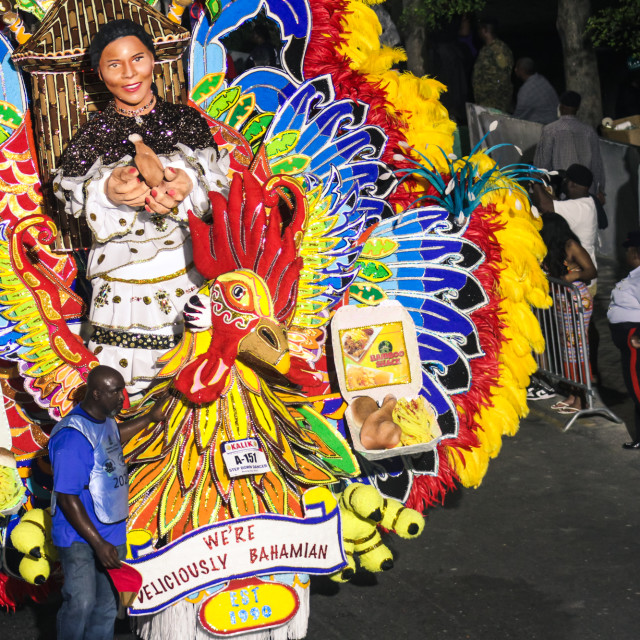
[624,321]
[579,209]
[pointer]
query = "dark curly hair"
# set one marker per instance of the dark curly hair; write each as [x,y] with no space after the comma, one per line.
[112,31]
[555,234]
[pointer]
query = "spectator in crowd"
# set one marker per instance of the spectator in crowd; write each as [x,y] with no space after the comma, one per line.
[567,260]
[568,141]
[580,211]
[465,35]
[624,321]
[537,100]
[492,86]
[449,60]
[628,100]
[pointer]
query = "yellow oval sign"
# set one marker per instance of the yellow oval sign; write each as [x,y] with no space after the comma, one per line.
[248,605]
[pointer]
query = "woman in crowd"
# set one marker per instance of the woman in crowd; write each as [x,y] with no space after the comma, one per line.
[567,260]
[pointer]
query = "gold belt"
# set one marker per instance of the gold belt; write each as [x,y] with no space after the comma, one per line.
[171,276]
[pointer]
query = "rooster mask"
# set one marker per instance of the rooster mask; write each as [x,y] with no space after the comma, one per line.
[253,271]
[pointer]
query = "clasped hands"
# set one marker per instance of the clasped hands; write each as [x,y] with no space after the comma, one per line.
[126,186]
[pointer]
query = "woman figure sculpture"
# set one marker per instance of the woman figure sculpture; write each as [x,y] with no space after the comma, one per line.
[140,264]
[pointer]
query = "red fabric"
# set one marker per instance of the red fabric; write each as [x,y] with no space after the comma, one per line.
[126,578]
[204,378]
[633,352]
[244,235]
[46,287]
[14,592]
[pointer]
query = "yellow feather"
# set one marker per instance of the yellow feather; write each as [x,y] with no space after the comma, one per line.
[378,62]
[470,466]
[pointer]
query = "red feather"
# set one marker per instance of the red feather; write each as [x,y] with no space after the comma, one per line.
[245,235]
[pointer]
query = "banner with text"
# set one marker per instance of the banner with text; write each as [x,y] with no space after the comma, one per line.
[243,547]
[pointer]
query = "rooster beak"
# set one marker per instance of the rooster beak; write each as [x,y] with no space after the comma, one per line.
[266,345]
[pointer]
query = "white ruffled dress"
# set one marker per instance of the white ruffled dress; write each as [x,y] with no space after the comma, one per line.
[141,264]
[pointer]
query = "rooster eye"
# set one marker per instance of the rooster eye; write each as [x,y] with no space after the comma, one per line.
[238,291]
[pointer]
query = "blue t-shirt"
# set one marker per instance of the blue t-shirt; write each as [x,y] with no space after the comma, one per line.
[71,455]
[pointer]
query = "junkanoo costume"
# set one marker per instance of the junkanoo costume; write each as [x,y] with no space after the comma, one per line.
[336,149]
[140,264]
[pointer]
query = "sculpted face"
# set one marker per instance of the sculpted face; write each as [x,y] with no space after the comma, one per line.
[126,68]
[243,297]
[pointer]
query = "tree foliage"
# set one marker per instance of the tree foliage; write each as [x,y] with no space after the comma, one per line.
[617,27]
[432,14]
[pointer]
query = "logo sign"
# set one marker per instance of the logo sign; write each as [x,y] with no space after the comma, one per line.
[248,605]
[244,458]
[241,548]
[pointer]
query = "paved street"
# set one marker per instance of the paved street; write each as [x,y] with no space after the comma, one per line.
[544,549]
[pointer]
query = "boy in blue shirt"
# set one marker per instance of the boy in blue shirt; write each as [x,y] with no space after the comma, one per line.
[90,503]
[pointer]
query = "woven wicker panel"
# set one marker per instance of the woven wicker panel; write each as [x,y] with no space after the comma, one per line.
[62,40]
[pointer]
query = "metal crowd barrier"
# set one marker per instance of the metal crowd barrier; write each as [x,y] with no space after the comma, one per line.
[566,355]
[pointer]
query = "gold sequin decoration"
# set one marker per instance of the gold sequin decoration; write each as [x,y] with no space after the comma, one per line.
[47,306]
[102,298]
[101,259]
[179,292]
[140,232]
[146,300]
[97,350]
[123,363]
[134,340]
[62,348]
[160,223]
[93,217]
[117,299]
[30,279]
[123,222]
[163,300]
[15,190]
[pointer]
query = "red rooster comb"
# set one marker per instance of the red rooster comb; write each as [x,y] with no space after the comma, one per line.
[245,235]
